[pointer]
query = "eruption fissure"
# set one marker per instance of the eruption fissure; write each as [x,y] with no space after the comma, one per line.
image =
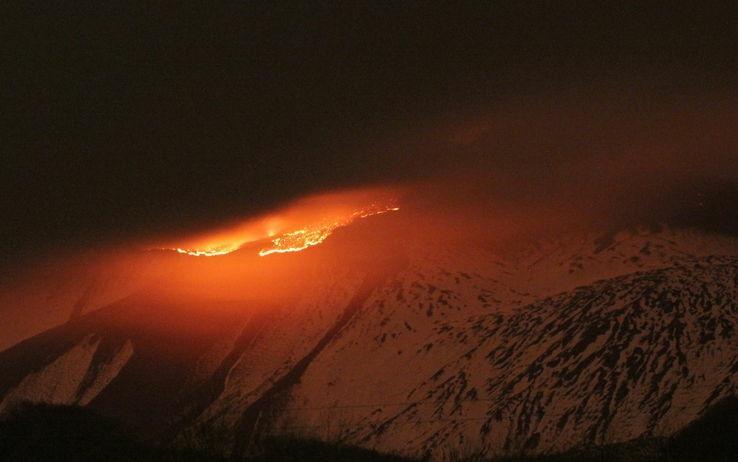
[301,239]
[283,237]
[223,250]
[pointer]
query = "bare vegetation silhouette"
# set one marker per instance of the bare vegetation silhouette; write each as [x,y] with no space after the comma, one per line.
[41,432]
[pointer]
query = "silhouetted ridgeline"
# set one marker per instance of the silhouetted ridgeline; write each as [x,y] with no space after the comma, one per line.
[58,433]
[43,432]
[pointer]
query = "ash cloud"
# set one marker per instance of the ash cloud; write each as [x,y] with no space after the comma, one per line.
[124,125]
[605,159]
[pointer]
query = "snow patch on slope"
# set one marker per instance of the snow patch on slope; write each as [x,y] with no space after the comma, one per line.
[106,373]
[58,382]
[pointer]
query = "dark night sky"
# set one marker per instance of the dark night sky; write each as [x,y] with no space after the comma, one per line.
[127,121]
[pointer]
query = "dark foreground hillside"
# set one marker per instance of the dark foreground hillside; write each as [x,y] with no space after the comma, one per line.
[44,432]
[70,433]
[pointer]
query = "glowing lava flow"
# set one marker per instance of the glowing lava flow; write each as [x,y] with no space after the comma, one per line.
[301,239]
[304,224]
[208,252]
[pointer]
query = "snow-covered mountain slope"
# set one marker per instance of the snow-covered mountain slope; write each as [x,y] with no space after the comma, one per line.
[135,359]
[642,354]
[537,348]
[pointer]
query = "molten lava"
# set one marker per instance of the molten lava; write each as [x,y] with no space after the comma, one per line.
[301,239]
[209,252]
[304,224]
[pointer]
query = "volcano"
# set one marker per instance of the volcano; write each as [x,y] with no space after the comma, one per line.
[422,349]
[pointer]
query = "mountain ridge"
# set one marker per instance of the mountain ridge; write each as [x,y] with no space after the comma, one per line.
[442,351]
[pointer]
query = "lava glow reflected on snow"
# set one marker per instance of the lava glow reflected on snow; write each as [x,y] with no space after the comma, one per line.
[304,224]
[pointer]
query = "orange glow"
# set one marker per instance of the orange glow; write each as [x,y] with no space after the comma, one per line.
[212,252]
[219,244]
[301,239]
[303,224]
